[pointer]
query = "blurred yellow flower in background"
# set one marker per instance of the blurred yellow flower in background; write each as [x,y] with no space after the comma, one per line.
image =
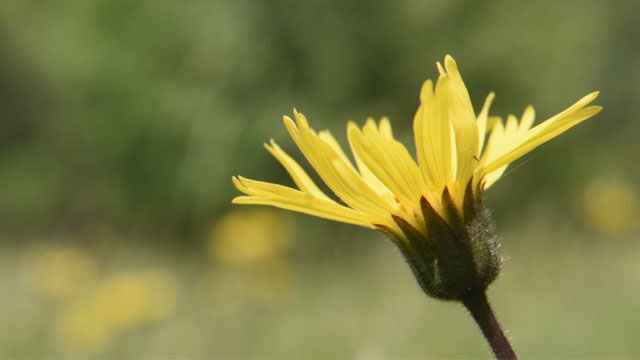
[57,272]
[610,205]
[117,304]
[246,237]
[251,244]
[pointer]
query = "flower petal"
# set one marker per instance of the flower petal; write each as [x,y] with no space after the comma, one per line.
[461,116]
[299,176]
[385,128]
[495,142]
[263,193]
[422,148]
[545,131]
[435,136]
[328,137]
[483,116]
[337,172]
[367,175]
[389,161]
[526,121]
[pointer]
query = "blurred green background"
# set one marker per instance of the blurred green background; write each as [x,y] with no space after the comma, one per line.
[122,122]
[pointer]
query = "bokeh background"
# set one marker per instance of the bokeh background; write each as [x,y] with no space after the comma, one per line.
[122,122]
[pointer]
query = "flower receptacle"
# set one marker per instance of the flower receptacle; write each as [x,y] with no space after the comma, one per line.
[459,251]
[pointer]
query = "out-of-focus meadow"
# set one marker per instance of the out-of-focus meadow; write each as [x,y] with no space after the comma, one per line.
[122,122]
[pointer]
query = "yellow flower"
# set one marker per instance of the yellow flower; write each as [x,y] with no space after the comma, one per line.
[459,153]
[450,140]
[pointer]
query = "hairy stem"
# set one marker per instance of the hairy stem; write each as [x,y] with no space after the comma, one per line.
[478,305]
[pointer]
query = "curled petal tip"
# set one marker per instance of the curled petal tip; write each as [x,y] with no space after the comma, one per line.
[370,124]
[290,125]
[591,96]
[237,183]
[325,134]
[271,145]
[426,91]
[585,100]
[449,63]
[353,131]
[301,119]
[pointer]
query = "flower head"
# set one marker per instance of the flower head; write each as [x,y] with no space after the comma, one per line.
[432,209]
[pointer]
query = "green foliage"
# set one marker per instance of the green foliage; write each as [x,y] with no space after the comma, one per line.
[152,106]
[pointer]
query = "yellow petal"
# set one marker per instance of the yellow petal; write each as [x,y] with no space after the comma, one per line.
[299,176]
[389,161]
[526,121]
[545,131]
[503,139]
[436,137]
[494,176]
[494,143]
[367,175]
[326,136]
[335,171]
[422,147]
[491,121]
[283,197]
[371,122]
[483,116]
[584,101]
[511,126]
[461,116]
[385,128]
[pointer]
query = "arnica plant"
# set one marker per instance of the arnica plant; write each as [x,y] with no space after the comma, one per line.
[433,209]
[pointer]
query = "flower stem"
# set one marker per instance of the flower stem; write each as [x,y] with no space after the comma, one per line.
[478,305]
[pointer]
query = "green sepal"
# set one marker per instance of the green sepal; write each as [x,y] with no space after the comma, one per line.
[418,252]
[484,243]
[453,254]
[459,252]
